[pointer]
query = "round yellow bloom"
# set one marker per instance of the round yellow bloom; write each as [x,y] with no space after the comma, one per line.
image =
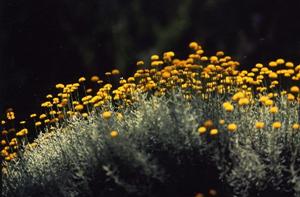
[289,64]
[106,114]
[81,80]
[38,124]
[114,134]
[228,106]
[276,125]
[42,116]
[290,97]
[221,122]
[140,63]
[95,78]
[85,115]
[214,132]
[269,102]
[115,72]
[201,130]
[220,53]
[280,61]
[59,86]
[232,127]
[243,101]
[296,126]
[154,57]
[273,110]
[259,125]
[3,142]
[208,123]
[79,107]
[259,65]
[166,74]
[294,89]
[194,45]
[272,64]
[273,75]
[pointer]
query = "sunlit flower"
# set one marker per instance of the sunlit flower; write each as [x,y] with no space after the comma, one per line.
[214,132]
[114,134]
[259,125]
[106,114]
[232,127]
[276,125]
[201,130]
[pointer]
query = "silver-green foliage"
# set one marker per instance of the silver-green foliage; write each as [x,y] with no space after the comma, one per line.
[158,134]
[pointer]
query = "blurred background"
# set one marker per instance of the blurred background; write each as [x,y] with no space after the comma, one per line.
[46,42]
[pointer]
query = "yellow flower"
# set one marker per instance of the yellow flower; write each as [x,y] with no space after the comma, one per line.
[81,80]
[273,110]
[259,65]
[84,115]
[221,122]
[42,116]
[272,64]
[228,106]
[232,127]
[79,107]
[208,123]
[3,142]
[290,97]
[106,114]
[289,64]
[49,96]
[294,89]
[276,125]
[154,57]
[269,102]
[140,63]
[243,101]
[259,125]
[220,53]
[201,130]
[114,134]
[214,132]
[194,45]
[59,86]
[296,126]
[273,75]
[115,72]
[38,124]
[95,78]
[166,74]
[280,61]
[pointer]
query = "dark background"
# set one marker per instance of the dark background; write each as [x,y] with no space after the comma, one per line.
[50,41]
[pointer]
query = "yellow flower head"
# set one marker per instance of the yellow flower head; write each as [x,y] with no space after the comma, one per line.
[114,134]
[232,127]
[228,106]
[201,130]
[273,110]
[259,125]
[106,114]
[296,126]
[214,132]
[276,125]
[81,80]
[294,89]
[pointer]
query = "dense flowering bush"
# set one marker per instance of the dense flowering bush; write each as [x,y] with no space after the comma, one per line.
[199,126]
